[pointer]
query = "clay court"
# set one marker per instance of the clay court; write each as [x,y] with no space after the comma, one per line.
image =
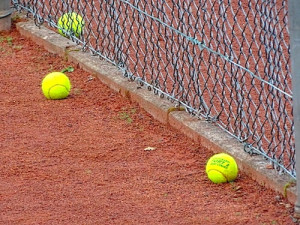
[84,159]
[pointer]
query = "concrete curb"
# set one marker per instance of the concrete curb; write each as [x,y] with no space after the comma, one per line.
[210,136]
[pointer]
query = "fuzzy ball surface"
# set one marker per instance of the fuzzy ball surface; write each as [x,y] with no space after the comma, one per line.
[70,24]
[56,85]
[221,168]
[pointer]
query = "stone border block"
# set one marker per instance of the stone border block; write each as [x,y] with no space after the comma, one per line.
[45,37]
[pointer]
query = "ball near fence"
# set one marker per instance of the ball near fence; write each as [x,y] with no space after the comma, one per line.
[221,168]
[56,85]
[70,23]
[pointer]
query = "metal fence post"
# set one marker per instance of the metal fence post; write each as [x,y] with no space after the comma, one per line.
[5,15]
[294,27]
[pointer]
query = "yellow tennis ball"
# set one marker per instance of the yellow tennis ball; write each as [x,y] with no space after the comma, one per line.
[71,23]
[221,168]
[56,85]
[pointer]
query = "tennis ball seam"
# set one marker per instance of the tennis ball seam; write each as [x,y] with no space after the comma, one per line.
[219,172]
[49,90]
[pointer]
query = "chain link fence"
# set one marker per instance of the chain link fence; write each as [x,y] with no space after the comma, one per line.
[223,60]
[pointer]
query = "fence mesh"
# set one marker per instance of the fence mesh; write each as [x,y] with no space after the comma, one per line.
[226,61]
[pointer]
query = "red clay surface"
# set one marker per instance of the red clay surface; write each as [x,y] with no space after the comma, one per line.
[82,160]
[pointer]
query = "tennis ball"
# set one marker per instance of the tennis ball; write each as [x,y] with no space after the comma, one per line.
[56,85]
[71,23]
[221,168]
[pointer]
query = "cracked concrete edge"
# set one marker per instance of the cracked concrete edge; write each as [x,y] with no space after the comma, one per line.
[208,135]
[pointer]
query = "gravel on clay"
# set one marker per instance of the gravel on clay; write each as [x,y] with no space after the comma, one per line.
[82,160]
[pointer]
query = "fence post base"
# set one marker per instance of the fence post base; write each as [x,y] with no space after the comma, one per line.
[5,15]
[5,24]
